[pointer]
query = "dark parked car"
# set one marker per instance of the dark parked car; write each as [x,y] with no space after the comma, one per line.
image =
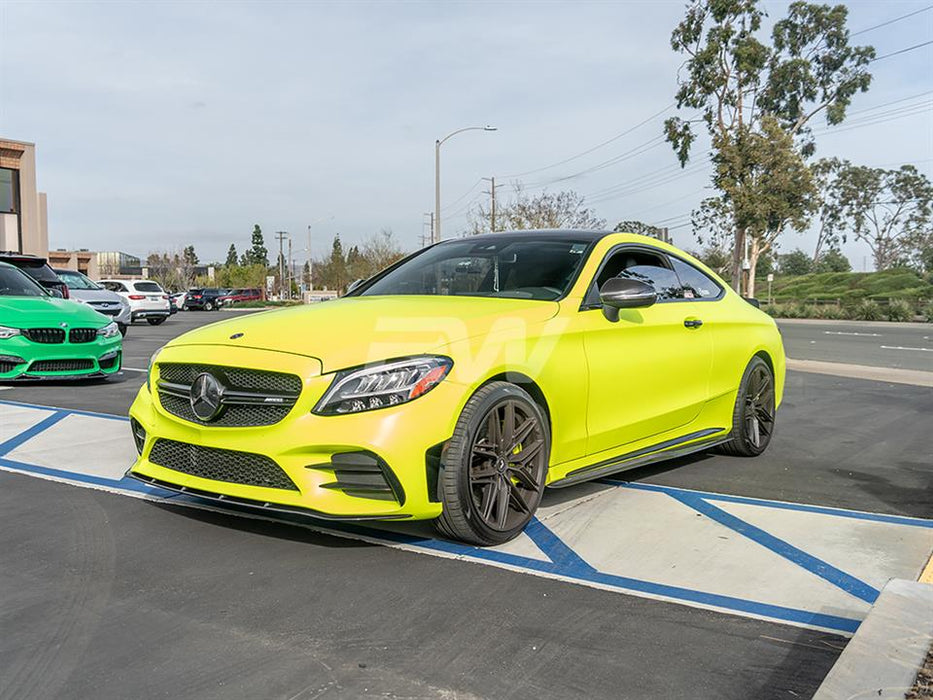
[206,299]
[39,269]
[238,295]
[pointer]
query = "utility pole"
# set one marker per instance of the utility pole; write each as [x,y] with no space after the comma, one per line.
[427,229]
[281,235]
[291,269]
[492,203]
[310,262]
[436,220]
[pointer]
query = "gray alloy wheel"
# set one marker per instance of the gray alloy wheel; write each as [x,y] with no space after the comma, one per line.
[754,414]
[494,467]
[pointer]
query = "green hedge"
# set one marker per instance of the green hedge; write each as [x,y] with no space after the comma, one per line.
[850,287]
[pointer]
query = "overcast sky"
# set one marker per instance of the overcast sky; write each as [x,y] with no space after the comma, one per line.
[163,124]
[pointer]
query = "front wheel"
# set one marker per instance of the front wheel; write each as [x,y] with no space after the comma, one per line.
[754,412]
[209,306]
[122,327]
[157,321]
[494,468]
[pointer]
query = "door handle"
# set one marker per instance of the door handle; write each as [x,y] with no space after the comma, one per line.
[691,322]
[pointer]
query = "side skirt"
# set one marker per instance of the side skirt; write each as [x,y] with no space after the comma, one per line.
[669,449]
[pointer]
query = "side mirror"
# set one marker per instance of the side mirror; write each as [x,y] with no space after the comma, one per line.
[354,284]
[621,293]
[55,292]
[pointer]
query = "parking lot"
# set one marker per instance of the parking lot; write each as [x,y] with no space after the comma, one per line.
[704,577]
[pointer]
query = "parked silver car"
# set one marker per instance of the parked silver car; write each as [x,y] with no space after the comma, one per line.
[85,291]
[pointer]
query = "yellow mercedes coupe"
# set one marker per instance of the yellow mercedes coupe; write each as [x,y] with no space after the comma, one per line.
[460,382]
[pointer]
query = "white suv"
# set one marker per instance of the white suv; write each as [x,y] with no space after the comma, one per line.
[147,299]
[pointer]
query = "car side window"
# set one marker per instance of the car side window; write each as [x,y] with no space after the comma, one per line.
[628,263]
[113,286]
[694,284]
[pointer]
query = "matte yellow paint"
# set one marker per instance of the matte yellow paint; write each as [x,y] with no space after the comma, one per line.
[609,387]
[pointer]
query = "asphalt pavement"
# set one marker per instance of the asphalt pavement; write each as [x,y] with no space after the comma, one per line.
[898,345]
[112,597]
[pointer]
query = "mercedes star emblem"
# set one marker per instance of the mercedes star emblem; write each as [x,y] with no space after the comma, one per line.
[206,396]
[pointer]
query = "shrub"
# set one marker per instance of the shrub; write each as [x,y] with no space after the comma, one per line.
[900,310]
[928,312]
[867,310]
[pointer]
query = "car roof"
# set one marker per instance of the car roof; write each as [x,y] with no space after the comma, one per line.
[557,233]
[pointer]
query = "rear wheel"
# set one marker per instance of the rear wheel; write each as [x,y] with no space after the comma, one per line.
[754,413]
[156,321]
[209,306]
[494,467]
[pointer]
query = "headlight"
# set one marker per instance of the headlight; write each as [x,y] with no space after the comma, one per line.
[108,331]
[152,359]
[386,384]
[6,332]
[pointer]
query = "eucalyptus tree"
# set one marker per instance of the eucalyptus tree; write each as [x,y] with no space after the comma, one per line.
[746,90]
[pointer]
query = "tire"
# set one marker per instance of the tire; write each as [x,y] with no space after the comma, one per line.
[754,413]
[488,495]
[156,321]
[122,327]
[209,306]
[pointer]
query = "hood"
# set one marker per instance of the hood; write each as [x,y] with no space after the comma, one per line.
[95,295]
[48,312]
[356,330]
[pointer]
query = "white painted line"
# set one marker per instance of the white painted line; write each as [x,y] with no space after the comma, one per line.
[874,335]
[901,347]
[133,369]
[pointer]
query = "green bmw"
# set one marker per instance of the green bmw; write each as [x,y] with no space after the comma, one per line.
[44,337]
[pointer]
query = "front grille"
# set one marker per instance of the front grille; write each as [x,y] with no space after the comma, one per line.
[82,335]
[7,366]
[60,365]
[282,390]
[45,335]
[232,416]
[237,378]
[220,465]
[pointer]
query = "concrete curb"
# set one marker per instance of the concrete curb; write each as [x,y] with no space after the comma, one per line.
[914,377]
[887,651]
[865,324]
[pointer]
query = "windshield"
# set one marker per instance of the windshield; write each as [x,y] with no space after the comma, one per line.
[75,280]
[14,283]
[516,267]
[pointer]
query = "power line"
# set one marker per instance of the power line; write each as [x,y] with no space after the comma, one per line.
[594,148]
[897,53]
[891,21]
[461,197]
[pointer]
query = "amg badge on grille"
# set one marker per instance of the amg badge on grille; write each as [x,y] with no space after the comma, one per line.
[206,392]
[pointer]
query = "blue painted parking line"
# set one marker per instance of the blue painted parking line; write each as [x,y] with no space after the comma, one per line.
[66,411]
[814,565]
[767,503]
[594,556]
[12,443]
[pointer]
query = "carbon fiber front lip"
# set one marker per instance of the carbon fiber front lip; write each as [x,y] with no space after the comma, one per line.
[259,505]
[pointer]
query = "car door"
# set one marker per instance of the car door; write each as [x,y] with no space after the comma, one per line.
[648,372]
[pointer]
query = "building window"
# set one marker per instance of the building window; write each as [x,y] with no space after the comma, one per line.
[9,191]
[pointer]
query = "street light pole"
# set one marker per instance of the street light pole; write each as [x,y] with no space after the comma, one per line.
[437,174]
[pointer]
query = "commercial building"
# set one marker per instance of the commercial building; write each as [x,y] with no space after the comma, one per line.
[84,261]
[23,209]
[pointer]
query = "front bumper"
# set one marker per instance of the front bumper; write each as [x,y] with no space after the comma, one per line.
[308,448]
[23,359]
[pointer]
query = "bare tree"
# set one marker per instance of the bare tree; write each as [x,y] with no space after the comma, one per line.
[547,210]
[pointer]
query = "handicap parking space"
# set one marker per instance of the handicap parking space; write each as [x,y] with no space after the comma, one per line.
[806,565]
